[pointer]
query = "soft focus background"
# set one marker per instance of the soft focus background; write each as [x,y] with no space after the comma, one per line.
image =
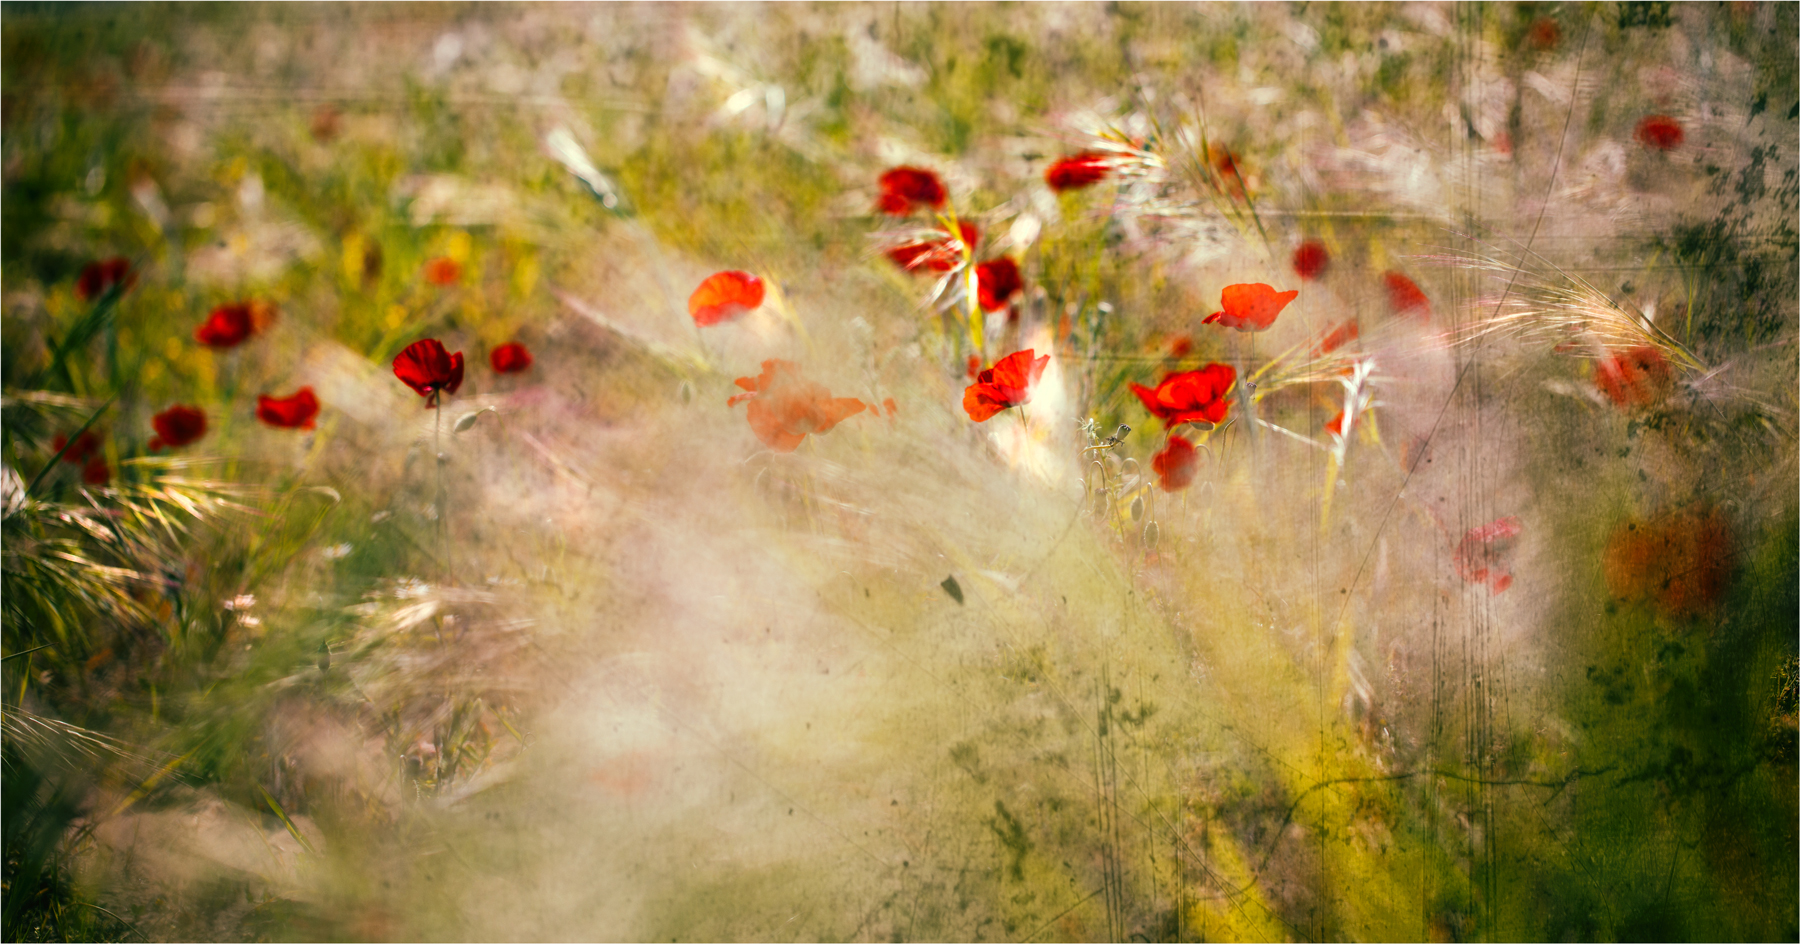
[1513,657]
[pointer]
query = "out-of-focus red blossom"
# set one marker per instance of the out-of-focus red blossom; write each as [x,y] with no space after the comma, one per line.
[510,358]
[1404,295]
[97,277]
[725,296]
[785,406]
[1006,384]
[1338,337]
[428,368]
[936,255]
[1175,464]
[1311,259]
[1181,346]
[232,324]
[1681,563]
[1660,132]
[1480,558]
[1225,164]
[1336,426]
[974,366]
[1251,306]
[1192,396]
[1077,171]
[292,412]
[890,405]
[179,426]
[995,281]
[1638,377]
[96,471]
[87,444]
[905,190]
[1543,35]
[443,271]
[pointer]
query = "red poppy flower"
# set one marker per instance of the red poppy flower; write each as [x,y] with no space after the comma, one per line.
[1543,34]
[427,368]
[995,281]
[937,255]
[232,324]
[1336,426]
[1192,396]
[1225,164]
[443,271]
[974,366]
[1181,346]
[1311,259]
[1338,337]
[96,471]
[1176,464]
[725,296]
[295,412]
[1006,384]
[785,406]
[97,277]
[1480,556]
[179,425]
[1660,132]
[510,358]
[1250,307]
[905,190]
[1681,563]
[1404,295]
[86,444]
[1078,171]
[1639,377]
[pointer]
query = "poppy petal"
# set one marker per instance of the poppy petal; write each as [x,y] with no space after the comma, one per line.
[1251,306]
[1405,296]
[724,296]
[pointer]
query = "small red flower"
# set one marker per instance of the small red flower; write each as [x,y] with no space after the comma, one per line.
[443,271]
[1405,296]
[295,412]
[1336,426]
[179,425]
[86,445]
[974,366]
[995,281]
[785,406]
[97,277]
[510,358]
[1338,337]
[1077,171]
[1660,132]
[905,190]
[1176,464]
[1639,377]
[937,255]
[1479,558]
[1679,562]
[1544,35]
[1311,259]
[1181,346]
[96,471]
[1192,396]
[232,324]
[428,368]
[1005,385]
[1251,306]
[1231,176]
[725,296]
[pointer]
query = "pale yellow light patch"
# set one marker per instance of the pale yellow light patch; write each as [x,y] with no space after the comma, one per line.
[459,246]
[354,248]
[396,315]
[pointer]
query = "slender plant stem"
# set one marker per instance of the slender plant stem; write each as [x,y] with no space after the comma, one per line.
[437,458]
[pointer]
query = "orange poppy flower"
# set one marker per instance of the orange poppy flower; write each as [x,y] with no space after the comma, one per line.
[725,296]
[1192,396]
[1176,464]
[785,406]
[1250,306]
[1480,557]
[1005,385]
[1336,426]
[1639,377]
[293,412]
[1405,296]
